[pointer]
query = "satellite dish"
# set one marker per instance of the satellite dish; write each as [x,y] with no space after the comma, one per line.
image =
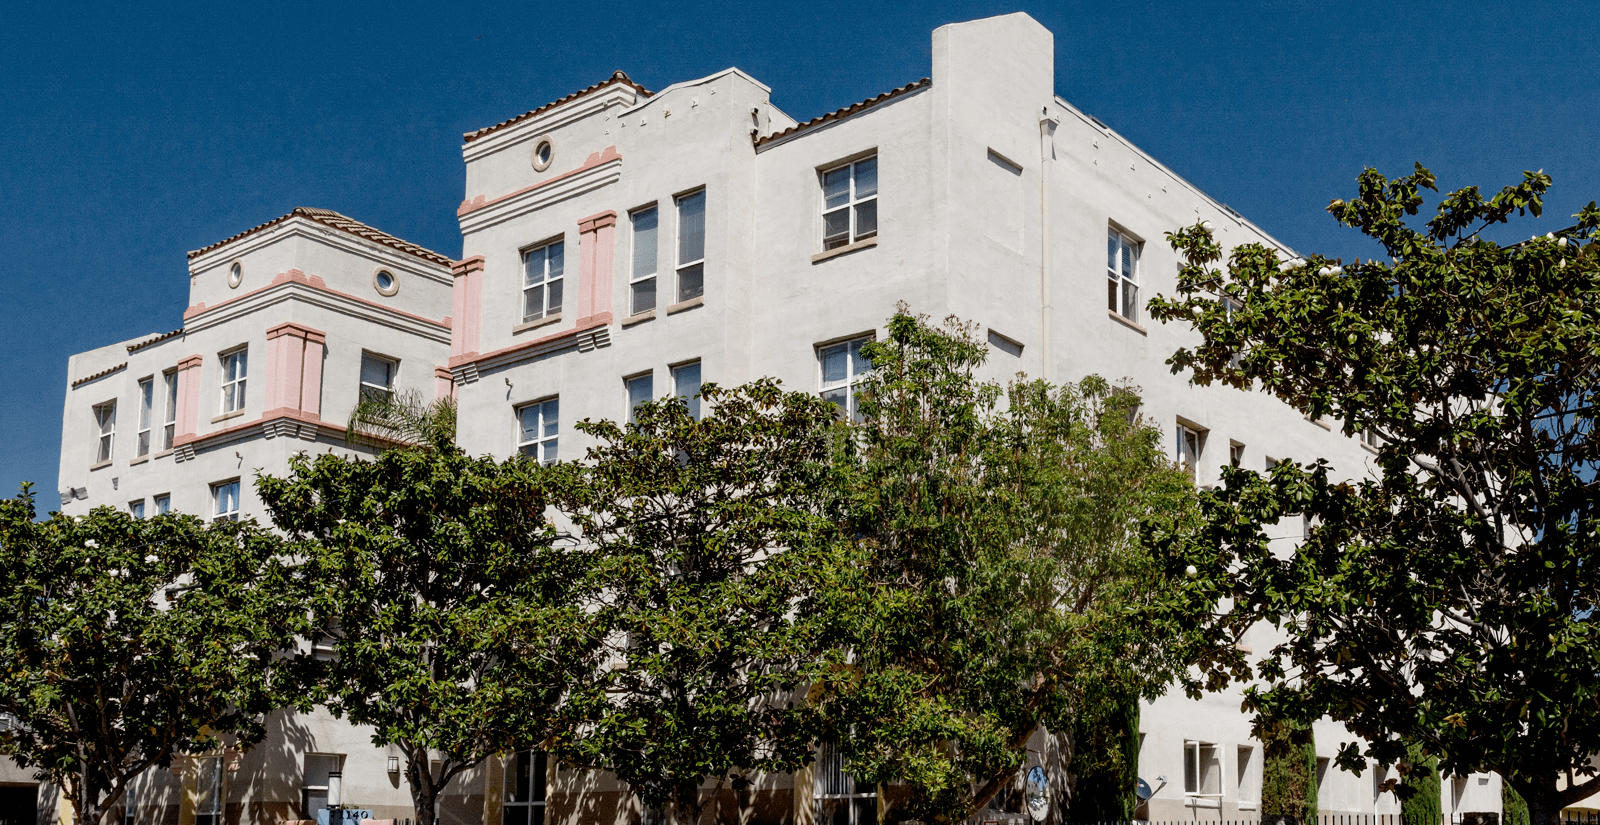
[1143,790]
[1037,793]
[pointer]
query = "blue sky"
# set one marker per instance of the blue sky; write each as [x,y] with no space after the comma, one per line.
[131,134]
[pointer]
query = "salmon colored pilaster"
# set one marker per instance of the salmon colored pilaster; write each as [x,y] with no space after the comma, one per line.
[311,377]
[596,245]
[444,384]
[294,368]
[189,395]
[466,300]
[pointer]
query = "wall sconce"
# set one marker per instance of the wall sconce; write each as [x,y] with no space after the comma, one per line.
[394,764]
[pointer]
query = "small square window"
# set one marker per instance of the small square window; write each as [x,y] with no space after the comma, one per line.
[377,377]
[1122,270]
[136,508]
[225,497]
[163,503]
[538,428]
[234,367]
[850,203]
[542,269]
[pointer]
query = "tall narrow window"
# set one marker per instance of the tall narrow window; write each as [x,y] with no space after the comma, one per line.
[541,281]
[843,365]
[105,421]
[538,426]
[314,782]
[234,366]
[850,203]
[1235,454]
[525,790]
[147,397]
[1122,270]
[1245,771]
[642,279]
[130,806]
[169,416]
[225,496]
[840,799]
[208,791]
[691,245]
[377,377]
[686,385]
[641,388]
[1190,442]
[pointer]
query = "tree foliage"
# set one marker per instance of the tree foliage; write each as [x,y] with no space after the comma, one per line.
[457,621]
[1422,803]
[1105,764]
[1002,585]
[712,532]
[1449,599]
[1289,771]
[126,642]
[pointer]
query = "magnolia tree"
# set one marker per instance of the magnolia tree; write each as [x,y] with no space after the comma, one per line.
[1447,599]
[999,584]
[126,642]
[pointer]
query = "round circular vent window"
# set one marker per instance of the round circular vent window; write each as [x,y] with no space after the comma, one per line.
[235,275]
[384,281]
[543,152]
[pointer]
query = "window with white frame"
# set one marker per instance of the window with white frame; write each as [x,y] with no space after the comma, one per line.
[1122,270]
[542,268]
[170,414]
[105,422]
[840,799]
[1191,440]
[1245,773]
[526,788]
[538,426]
[691,269]
[377,377]
[136,508]
[225,500]
[314,781]
[1202,770]
[163,503]
[147,397]
[842,367]
[1235,454]
[208,790]
[641,388]
[1370,438]
[234,367]
[642,276]
[850,203]
[686,385]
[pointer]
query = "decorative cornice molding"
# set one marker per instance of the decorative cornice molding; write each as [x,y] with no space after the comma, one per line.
[312,289]
[595,223]
[599,169]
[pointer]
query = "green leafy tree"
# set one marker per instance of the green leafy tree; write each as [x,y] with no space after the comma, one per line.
[403,419]
[1003,586]
[1105,762]
[1289,771]
[458,622]
[711,532]
[1449,598]
[126,642]
[1421,802]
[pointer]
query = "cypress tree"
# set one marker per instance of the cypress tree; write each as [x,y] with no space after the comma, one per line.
[1289,772]
[1422,805]
[1106,763]
[1514,807]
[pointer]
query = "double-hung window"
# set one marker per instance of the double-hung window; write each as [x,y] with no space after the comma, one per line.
[538,426]
[641,388]
[105,421]
[147,397]
[686,385]
[225,498]
[642,277]
[1122,273]
[170,414]
[840,799]
[541,281]
[525,790]
[850,203]
[208,791]
[234,367]
[843,366]
[377,377]
[691,267]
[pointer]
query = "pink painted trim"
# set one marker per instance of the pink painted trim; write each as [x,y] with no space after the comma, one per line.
[190,362]
[603,240]
[594,222]
[272,415]
[584,324]
[596,159]
[311,380]
[467,265]
[444,384]
[586,265]
[188,397]
[295,276]
[466,303]
[298,331]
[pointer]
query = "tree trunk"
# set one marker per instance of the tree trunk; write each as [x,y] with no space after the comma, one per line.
[1544,803]
[424,792]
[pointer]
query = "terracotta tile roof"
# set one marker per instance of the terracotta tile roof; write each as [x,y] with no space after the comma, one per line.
[616,77]
[101,374]
[328,217]
[155,340]
[845,112]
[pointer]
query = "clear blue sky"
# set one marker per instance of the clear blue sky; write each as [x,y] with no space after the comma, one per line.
[129,135]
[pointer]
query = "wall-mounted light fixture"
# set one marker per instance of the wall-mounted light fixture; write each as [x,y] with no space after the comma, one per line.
[394,764]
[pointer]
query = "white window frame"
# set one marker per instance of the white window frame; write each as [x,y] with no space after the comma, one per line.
[690,271]
[543,446]
[170,414]
[681,375]
[643,264]
[235,370]
[1190,448]
[147,398]
[851,204]
[551,273]
[1122,270]
[1235,454]
[859,800]
[162,503]
[224,508]
[371,390]
[307,789]
[208,769]
[136,508]
[1197,757]
[850,383]
[638,389]
[105,423]
[535,797]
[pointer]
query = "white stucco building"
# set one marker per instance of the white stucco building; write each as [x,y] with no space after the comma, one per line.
[620,244]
